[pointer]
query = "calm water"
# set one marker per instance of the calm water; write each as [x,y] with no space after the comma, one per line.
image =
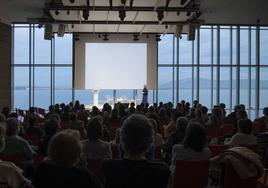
[42,97]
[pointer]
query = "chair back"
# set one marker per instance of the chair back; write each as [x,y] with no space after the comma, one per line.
[14,158]
[65,124]
[228,129]
[217,149]
[213,132]
[95,166]
[192,174]
[157,153]
[115,151]
[232,180]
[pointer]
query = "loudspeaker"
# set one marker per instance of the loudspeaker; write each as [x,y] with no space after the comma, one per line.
[191,33]
[61,30]
[48,32]
[178,31]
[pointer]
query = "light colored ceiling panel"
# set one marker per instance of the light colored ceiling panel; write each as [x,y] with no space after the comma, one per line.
[132,28]
[106,28]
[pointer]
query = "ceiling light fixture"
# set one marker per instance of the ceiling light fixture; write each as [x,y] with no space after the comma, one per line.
[122,14]
[160,15]
[68,12]
[157,38]
[71,1]
[136,37]
[188,13]
[105,37]
[85,14]
[57,12]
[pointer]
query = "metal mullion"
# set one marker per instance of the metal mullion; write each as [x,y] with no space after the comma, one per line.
[173,71]
[52,70]
[73,69]
[192,71]
[238,65]
[177,68]
[30,66]
[218,66]
[212,65]
[156,96]
[257,78]
[231,68]
[33,64]
[249,71]
[198,65]
[12,67]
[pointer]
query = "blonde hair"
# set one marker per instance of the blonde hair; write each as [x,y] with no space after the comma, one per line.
[65,148]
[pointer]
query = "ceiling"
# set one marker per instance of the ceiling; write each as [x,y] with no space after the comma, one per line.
[141,15]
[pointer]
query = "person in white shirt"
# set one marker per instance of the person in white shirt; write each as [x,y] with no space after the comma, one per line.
[10,174]
[243,136]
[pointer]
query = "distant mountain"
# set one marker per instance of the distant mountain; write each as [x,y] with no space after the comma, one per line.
[206,84]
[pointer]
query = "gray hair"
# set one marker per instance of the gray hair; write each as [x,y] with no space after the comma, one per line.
[65,148]
[136,134]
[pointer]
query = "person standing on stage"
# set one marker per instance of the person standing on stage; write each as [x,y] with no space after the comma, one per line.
[145,95]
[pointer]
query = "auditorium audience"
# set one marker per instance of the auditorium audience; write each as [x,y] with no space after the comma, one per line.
[6,111]
[179,133]
[94,147]
[60,169]
[17,145]
[134,170]
[193,146]
[243,136]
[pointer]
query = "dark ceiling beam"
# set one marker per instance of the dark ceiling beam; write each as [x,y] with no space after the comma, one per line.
[127,8]
[44,20]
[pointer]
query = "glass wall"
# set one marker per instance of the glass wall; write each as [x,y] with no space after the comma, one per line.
[225,64]
[42,69]
[221,66]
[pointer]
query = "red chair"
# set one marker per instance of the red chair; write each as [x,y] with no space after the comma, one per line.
[115,152]
[213,132]
[217,149]
[65,124]
[112,132]
[157,153]
[37,159]
[232,180]
[192,174]
[95,167]
[32,139]
[228,129]
[14,158]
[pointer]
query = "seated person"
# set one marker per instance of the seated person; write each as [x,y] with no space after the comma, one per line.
[10,174]
[94,147]
[175,138]
[60,171]
[51,127]
[193,146]
[78,125]
[264,119]
[135,171]
[17,145]
[158,140]
[243,136]
[34,131]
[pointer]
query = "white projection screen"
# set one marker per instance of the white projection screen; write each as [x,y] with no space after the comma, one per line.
[116,65]
[119,63]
